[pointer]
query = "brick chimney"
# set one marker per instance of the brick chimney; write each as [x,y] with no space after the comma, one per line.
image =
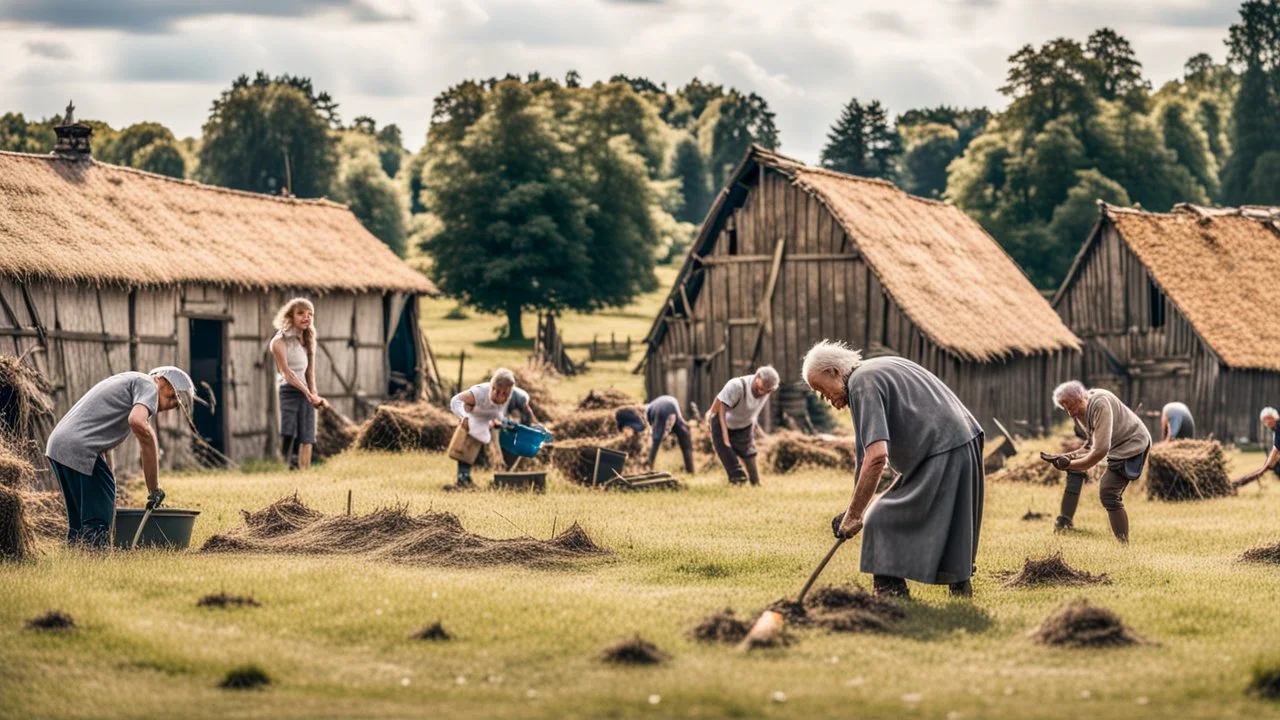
[72,137]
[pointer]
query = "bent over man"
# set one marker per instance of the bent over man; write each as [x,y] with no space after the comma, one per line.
[480,410]
[1269,417]
[732,420]
[79,448]
[1116,434]
[663,415]
[926,526]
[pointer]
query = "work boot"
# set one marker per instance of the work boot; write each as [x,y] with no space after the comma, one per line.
[1063,524]
[962,589]
[463,483]
[889,586]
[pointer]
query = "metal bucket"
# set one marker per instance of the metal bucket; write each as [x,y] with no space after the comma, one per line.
[167,528]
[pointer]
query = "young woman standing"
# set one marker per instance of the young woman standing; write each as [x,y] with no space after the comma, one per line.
[294,349]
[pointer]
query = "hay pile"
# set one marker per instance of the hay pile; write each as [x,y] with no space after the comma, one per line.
[575,459]
[536,379]
[635,651]
[26,410]
[52,620]
[393,535]
[1262,554]
[1051,570]
[245,677]
[16,470]
[586,424]
[47,513]
[1264,680]
[721,627]
[405,427]
[1078,624]
[223,600]
[606,399]
[1029,469]
[1187,470]
[848,608]
[17,540]
[434,632]
[334,432]
[787,450]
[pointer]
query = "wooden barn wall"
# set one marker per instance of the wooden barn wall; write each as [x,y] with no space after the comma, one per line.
[822,290]
[93,333]
[1109,307]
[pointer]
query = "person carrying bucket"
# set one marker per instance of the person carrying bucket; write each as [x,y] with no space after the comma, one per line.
[79,448]
[481,409]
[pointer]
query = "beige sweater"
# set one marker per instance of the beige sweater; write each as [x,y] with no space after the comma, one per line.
[1113,427]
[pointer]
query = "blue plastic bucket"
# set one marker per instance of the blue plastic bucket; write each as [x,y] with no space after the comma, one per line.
[523,440]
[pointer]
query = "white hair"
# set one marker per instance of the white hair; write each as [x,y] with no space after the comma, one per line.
[1069,389]
[829,355]
[768,377]
[1269,412]
[503,377]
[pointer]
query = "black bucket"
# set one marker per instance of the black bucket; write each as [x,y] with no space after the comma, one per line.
[166,528]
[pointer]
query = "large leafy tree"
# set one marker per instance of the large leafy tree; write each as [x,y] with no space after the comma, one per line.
[690,168]
[1048,82]
[374,198]
[1254,45]
[734,123]
[1114,69]
[147,146]
[268,135]
[862,142]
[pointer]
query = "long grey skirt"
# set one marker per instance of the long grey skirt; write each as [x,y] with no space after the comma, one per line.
[926,527]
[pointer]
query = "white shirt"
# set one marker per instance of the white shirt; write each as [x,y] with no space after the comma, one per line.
[742,407]
[295,355]
[482,413]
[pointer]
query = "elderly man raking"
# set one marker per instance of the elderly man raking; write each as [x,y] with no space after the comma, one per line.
[732,420]
[1269,417]
[79,448]
[926,526]
[1116,434]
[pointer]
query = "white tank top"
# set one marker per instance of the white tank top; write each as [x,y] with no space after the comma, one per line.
[295,354]
[483,412]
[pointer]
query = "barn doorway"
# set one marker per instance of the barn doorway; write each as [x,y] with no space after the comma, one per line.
[208,358]
[402,350]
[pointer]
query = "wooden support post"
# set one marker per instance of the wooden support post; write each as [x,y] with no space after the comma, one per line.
[462,359]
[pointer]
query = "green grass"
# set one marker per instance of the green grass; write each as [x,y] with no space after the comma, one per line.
[333,633]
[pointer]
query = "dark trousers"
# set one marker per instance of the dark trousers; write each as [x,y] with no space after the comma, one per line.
[1111,489]
[681,430]
[740,452]
[91,503]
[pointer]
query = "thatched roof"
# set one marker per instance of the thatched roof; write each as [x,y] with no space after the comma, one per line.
[955,283]
[86,221]
[1214,265]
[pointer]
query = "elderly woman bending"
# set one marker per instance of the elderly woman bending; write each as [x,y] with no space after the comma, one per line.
[733,417]
[481,408]
[925,527]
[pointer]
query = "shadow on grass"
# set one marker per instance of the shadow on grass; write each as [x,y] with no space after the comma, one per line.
[507,344]
[931,622]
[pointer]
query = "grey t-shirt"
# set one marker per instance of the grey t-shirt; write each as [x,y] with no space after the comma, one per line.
[894,399]
[741,406]
[1181,424]
[99,421]
[518,404]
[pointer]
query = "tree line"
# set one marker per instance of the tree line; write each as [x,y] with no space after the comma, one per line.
[553,194]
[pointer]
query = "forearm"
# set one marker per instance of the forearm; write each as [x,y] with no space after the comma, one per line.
[294,381]
[150,455]
[311,379]
[1094,456]
[865,489]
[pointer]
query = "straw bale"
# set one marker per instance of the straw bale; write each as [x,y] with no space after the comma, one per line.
[393,535]
[15,472]
[406,427]
[26,409]
[47,513]
[334,432]
[17,540]
[1187,470]
[586,424]
[787,450]
[605,399]
[575,459]
[70,220]
[1027,469]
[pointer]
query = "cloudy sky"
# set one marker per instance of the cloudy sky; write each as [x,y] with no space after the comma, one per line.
[125,61]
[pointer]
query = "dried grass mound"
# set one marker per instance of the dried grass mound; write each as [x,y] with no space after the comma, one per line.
[1262,554]
[1051,570]
[26,409]
[1030,469]
[586,424]
[849,608]
[407,427]
[1264,680]
[393,535]
[721,627]
[575,459]
[334,432]
[434,632]
[536,379]
[1079,624]
[16,472]
[1187,470]
[223,600]
[635,651]
[47,513]
[1032,515]
[53,620]
[17,539]
[787,450]
[245,677]
[605,399]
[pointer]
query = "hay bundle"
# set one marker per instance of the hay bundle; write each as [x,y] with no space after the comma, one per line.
[605,399]
[1262,554]
[722,627]
[536,379]
[405,427]
[434,632]
[1078,624]
[26,409]
[16,473]
[586,424]
[575,459]
[786,450]
[1030,469]
[334,432]
[17,541]
[47,513]
[393,535]
[1051,570]
[1187,470]
[634,651]
[849,608]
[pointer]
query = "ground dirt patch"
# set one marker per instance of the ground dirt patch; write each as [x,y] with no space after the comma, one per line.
[223,600]
[1262,554]
[1187,470]
[393,535]
[841,608]
[633,651]
[1031,515]
[52,620]
[245,677]
[720,627]
[1080,624]
[1264,680]
[1051,570]
[435,632]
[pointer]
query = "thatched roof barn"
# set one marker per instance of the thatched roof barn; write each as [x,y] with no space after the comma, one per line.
[789,255]
[105,269]
[1172,306]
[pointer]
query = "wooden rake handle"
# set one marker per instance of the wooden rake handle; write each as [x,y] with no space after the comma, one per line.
[818,570]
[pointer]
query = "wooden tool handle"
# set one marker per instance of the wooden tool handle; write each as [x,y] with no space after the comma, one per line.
[818,570]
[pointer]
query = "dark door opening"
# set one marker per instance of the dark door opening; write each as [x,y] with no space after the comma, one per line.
[207,360]
[402,352]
